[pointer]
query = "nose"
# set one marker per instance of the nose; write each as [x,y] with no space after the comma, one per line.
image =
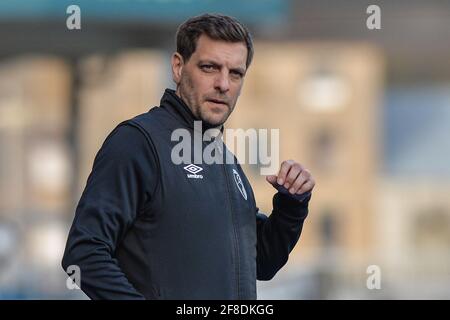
[222,82]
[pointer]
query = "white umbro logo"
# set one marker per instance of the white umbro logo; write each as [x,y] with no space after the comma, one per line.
[193,169]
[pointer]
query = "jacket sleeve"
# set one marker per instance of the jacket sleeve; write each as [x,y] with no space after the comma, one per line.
[120,185]
[278,233]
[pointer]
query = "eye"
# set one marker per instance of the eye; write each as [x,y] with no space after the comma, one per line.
[237,74]
[207,67]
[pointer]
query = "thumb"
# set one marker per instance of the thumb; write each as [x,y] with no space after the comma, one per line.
[272,179]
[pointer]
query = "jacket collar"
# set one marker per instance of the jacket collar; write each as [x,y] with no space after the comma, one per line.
[178,108]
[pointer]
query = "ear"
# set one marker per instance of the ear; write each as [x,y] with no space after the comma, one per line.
[177,67]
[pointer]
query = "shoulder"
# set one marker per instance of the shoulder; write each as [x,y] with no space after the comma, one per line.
[155,117]
[124,141]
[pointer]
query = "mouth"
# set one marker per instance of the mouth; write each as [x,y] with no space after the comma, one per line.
[217,101]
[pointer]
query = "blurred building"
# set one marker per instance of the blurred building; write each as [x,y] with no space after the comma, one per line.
[323,98]
[36,170]
[114,89]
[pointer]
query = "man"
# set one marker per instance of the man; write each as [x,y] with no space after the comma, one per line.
[145,228]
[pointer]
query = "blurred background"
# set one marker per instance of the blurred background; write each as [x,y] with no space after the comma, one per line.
[367,111]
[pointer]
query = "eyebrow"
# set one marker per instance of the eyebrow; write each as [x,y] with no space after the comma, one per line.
[238,69]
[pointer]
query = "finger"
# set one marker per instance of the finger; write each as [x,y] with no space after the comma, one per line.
[301,179]
[292,175]
[272,179]
[307,186]
[285,166]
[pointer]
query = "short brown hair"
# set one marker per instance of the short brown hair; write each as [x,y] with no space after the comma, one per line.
[215,26]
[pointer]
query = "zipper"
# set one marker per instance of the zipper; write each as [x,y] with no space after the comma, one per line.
[236,243]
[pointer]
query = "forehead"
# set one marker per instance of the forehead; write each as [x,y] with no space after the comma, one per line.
[231,53]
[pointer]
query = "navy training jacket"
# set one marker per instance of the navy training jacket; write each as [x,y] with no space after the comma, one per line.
[146,228]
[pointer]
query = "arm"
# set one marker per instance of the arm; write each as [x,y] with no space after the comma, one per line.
[278,234]
[120,185]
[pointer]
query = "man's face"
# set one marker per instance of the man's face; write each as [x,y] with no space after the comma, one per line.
[210,81]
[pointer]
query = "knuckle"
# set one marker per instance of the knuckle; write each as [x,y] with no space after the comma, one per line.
[304,175]
[287,163]
[297,183]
